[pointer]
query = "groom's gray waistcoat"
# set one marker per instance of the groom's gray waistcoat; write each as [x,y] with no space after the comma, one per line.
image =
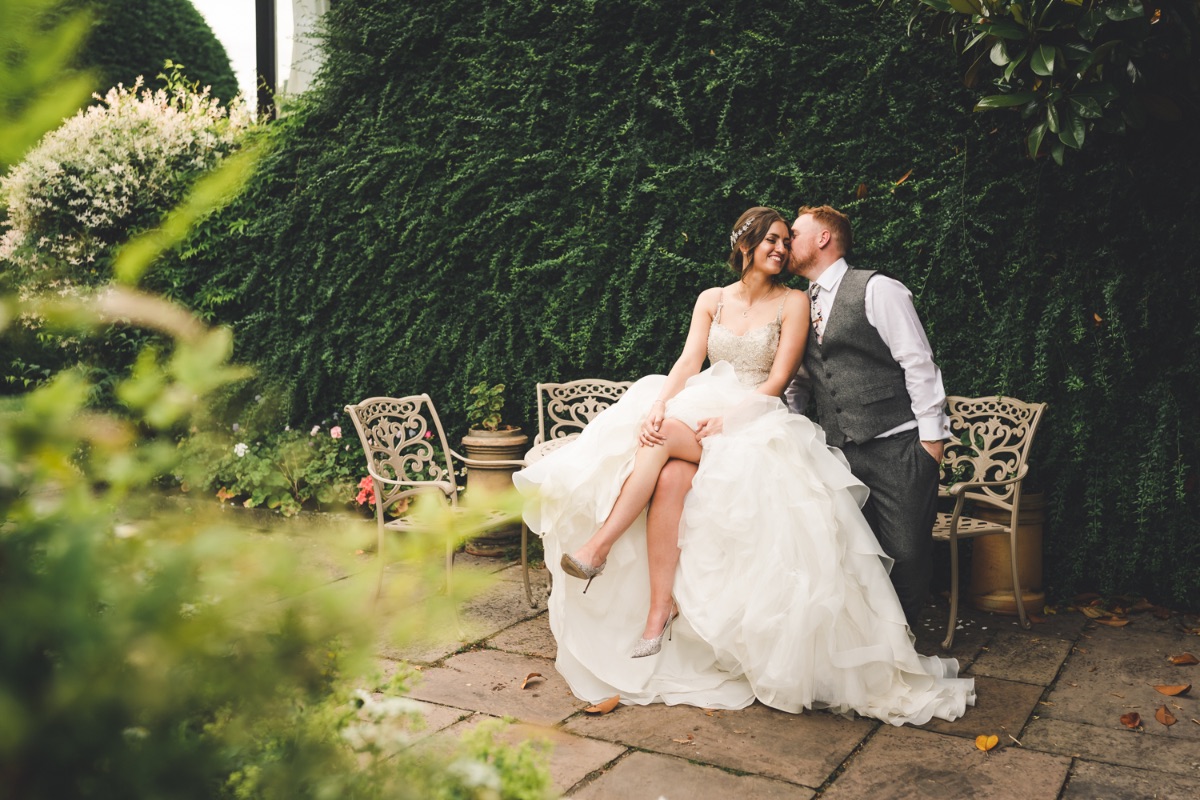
[858,387]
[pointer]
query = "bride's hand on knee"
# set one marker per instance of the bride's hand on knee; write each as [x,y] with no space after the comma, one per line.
[709,427]
[651,433]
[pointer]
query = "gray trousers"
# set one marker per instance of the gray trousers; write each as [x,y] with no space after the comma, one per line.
[903,480]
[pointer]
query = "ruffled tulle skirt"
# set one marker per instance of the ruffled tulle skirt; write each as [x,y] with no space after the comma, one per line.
[782,588]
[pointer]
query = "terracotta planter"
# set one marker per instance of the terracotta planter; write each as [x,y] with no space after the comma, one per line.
[483,481]
[991,571]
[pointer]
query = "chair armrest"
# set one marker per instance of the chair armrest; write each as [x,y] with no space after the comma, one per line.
[954,490]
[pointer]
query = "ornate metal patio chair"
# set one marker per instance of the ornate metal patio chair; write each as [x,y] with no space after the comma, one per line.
[408,455]
[564,410]
[985,465]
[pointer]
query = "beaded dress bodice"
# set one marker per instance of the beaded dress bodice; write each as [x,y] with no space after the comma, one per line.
[751,354]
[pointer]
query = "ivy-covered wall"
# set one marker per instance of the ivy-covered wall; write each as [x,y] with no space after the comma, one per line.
[536,190]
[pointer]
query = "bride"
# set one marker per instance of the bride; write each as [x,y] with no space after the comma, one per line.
[778,590]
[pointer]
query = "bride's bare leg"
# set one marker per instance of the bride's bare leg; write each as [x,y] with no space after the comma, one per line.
[662,539]
[639,486]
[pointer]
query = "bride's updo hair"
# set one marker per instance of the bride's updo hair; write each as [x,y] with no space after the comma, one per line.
[748,232]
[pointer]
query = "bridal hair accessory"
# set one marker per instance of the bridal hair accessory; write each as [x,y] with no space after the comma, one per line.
[733,237]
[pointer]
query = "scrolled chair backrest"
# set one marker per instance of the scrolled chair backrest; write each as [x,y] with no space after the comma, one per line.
[990,439]
[403,440]
[567,408]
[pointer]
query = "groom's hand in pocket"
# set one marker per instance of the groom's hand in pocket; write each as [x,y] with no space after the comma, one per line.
[935,449]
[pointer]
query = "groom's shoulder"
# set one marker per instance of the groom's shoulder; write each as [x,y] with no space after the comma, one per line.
[867,274]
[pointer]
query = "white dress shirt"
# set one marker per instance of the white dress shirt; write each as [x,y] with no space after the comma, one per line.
[890,310]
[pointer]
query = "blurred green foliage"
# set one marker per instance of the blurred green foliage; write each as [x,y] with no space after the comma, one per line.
[156,649]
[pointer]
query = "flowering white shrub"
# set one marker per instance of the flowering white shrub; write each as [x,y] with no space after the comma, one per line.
[111,170]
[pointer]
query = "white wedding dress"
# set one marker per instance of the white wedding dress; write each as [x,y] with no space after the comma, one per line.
[782,589]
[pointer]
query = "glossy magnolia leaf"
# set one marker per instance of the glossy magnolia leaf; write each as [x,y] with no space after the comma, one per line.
[1132,720]
[1042,62]
[1173,691]
[965,6]
[1086,107]
[530,677]
[1089,24]
[1058,151]
[1164,716]
[1119,12]
[1184,660]
[604,706]
[985,742]
[1004,100]
[1053,121]
[998,54]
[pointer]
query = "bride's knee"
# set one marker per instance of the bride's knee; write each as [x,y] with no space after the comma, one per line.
[675,479]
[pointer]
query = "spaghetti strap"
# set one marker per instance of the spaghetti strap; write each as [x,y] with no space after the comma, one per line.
[720,305]
[779,316]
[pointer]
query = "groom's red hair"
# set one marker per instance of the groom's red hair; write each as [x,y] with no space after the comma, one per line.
[835,221]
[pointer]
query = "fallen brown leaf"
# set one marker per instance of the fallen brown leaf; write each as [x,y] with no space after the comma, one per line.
[986,742]
[1132,720]
[1164,716]
[861,191]
[530,677]
[1183,660]
[1091,611]
[1112,623]
[1161,613]
[1171,691]
[604,706]
[1086,597]
[1142,605]
[904,177]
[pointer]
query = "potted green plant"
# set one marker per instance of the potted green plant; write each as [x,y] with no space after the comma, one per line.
[489,439]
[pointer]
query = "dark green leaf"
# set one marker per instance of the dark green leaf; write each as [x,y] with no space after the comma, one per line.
[1091,21]
[1052,117]
[1057,150]
[1006,29]
[1086,107]
[1042,62]
[1034,140]
[1118,12]
[1004,100]
[965,6]
[1073,129]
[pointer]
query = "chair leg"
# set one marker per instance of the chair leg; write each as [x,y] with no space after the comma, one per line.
[1016,580]
[949,640]
[525,564]
[379,558]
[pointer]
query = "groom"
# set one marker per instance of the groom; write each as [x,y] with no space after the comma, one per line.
[878,396]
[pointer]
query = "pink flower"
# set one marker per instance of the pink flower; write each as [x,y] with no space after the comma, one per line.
[315,430]
[335,432]
[366,492]
[428,434]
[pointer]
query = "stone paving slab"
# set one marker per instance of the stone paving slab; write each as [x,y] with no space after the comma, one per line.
[572,758]
[1091,781]
[490,681]
[1112,671]
[1001,707]
[496,608]
[1119,747]
[532,638]
[911,764]
[799,748]
[652,776]
[1019,655]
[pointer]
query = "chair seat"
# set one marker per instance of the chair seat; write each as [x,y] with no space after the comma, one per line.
[540,450]
[493,520]
[967,527]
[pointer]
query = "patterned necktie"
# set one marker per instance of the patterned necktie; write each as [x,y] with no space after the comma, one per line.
[817,319]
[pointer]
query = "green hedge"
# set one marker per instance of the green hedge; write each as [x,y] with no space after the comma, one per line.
[135,37]
[528,191]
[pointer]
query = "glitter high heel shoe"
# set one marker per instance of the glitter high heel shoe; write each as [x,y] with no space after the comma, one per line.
[577,569]
[648,647]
